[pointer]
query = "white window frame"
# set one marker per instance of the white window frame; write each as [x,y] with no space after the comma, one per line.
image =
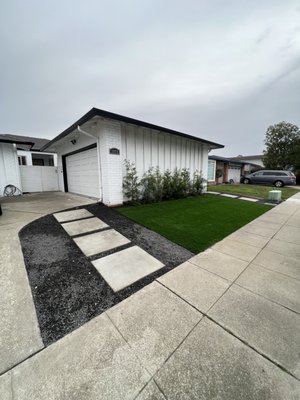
[214,170]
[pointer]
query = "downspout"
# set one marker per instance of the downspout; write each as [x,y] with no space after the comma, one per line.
[98,156]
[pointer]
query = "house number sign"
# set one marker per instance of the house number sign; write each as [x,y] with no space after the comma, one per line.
[115,151]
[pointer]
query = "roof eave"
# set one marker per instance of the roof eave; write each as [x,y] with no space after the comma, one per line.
[108,115]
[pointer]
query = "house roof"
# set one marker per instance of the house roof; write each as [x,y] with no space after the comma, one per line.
[225,160]
[246,157]
[24,142]
[108,115]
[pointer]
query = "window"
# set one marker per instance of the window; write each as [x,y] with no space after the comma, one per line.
[211,170]
[41,159]
[22,160]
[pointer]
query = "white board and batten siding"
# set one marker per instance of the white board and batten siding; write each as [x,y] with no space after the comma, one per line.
[148,148]
[83,173]
[39,178]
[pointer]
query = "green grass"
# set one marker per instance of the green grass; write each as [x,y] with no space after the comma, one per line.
[195,223]
[252,190]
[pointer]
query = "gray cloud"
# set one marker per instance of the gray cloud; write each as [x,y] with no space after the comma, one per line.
[220,70]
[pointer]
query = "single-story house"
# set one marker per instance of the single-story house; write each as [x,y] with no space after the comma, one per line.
[255,159]
[18,155]
[227,170]
[91,153]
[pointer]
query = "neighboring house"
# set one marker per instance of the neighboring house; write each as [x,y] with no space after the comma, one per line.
[23,165]
[256,159]
[223,170]
[91,153]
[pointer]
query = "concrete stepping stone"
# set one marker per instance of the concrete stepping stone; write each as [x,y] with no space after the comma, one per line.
[125,267]
[71,215]
[248,199]
[232,196]
[210,192]
[100,241]
[83,226]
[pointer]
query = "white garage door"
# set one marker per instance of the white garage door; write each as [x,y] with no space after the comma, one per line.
[83,173]
[234,173]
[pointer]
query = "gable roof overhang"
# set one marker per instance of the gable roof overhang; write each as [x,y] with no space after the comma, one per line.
[25,144]
[96,112]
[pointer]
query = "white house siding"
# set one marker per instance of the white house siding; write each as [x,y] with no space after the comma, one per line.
[145,147]
[149,148]
[9,169]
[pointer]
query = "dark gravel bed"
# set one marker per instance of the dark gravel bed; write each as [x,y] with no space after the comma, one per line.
[67,289]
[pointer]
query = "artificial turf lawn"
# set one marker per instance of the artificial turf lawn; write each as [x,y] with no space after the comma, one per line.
[252,190]
[195,223]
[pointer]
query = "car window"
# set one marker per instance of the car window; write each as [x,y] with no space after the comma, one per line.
[280,174]
[258,174]
[268,173]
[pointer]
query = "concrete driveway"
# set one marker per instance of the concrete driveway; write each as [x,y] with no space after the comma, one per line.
[224,325]
[19,332]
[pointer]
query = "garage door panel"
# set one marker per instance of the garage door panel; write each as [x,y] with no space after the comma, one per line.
[83,173]
[234,173]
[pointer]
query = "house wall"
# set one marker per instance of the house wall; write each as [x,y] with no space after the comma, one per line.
[149,148]
[9,169]
[145,147]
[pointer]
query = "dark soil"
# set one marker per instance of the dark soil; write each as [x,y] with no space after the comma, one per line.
[67,289]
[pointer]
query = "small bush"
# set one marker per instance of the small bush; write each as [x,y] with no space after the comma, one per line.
[156,186]
[152,186]
[198,183]
[131,184]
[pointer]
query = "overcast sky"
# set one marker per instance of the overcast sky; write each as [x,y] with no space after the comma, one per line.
[221,70]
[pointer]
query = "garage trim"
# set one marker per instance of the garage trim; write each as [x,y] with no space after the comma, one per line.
[64,163]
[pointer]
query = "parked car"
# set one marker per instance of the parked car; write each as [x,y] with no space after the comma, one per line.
[269,177]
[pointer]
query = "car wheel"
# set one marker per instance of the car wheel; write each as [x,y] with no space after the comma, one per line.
[278,184]
[246,181]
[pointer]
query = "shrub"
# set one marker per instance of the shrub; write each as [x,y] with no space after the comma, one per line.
[131,184]
[152,184]
[155,186]
[198,181]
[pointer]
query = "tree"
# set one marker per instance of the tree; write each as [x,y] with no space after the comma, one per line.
[282,146]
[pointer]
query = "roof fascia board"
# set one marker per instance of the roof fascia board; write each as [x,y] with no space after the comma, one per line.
[108,115]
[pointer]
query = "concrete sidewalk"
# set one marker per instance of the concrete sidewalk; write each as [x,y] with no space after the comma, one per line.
[224,325]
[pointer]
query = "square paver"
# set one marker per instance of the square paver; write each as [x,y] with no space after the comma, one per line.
[154,321]
[277,262]
[195,285]
[249,238]
[284,248]
[268,327]
[224,265]
[212,364]
[151,392]
[266,229]
[84,226]
[100,241]
[243,251]
[5,387]
[125,267]
[294,221]
[274,286]
[93,362]
[71,215]
[289,234]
